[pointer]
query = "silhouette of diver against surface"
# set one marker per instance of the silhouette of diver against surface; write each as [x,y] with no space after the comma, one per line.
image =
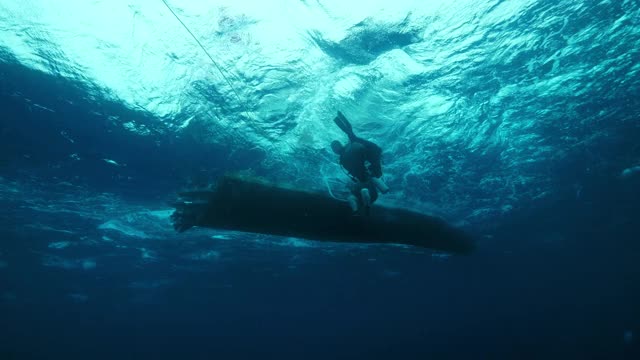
[362,161]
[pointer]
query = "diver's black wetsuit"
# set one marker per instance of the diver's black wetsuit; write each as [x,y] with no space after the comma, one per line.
[355,158]
[361,159]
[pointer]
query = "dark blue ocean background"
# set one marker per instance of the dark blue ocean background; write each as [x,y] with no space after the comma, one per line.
[518,121]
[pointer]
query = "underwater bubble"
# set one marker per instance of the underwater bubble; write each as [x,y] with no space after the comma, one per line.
[8,296]
[205,255]
[628,336]
[626,173]
[440,256]
[112,162]
[88,264]
[59,244]
[147,254]
[78,297]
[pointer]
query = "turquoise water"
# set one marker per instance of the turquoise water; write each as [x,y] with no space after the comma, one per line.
[516,121]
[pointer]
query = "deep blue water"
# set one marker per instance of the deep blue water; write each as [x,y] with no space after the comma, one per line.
[532,147]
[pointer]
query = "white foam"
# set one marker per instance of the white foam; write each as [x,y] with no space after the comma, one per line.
[628,172]
[161,214]
[298,243]
[205,255]
[59,245]
[122,228]
[147,255]
[221,237]
[112,162]
[88,264]
[49,228]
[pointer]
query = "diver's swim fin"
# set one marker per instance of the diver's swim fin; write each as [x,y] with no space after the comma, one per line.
[344,125]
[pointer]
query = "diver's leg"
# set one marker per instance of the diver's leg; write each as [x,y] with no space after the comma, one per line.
[366,200]
[366,197]
[379,183]
[353,203]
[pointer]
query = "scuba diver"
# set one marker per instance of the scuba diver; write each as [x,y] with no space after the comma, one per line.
[361,159]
